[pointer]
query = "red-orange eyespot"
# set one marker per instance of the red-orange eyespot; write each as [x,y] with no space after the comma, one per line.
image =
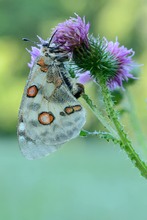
[32,91]
[43,66]
[46,118]
[41,62]
[77,108]
[69,110]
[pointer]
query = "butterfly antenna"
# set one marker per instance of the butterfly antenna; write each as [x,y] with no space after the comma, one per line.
[52,37]
[28,40]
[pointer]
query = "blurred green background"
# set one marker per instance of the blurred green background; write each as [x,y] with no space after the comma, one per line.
[87,178]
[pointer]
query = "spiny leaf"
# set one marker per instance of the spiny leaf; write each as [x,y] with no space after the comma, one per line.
[103,135]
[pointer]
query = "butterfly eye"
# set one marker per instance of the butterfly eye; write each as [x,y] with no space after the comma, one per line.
[45,44]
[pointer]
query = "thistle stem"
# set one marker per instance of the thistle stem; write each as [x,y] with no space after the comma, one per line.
[99,116]
[125,143]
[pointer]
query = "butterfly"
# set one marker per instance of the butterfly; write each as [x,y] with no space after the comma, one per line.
[50,113]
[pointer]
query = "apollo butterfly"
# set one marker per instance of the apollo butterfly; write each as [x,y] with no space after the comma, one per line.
[50,113]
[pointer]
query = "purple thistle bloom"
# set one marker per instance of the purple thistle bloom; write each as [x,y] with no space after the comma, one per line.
[71,34]
[123,58]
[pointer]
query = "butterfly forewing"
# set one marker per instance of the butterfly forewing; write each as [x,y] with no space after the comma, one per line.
[49,113]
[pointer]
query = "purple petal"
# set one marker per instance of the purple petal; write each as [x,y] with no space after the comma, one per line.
[123,57]
[35,52]
[84,77]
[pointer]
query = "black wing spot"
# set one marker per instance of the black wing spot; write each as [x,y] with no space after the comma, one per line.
[62,113]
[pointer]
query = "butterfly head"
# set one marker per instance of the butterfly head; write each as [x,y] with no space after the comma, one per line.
[54,52]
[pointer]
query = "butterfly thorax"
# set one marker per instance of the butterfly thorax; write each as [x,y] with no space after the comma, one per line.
[51,62]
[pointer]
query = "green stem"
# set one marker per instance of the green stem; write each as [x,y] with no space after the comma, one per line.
[125,142]
[99,116]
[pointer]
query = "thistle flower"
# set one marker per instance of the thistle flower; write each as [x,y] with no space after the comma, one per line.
[71,34]
[102,58]
[125,64]
[108,60]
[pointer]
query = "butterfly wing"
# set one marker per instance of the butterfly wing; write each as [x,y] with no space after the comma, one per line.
[49,114]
